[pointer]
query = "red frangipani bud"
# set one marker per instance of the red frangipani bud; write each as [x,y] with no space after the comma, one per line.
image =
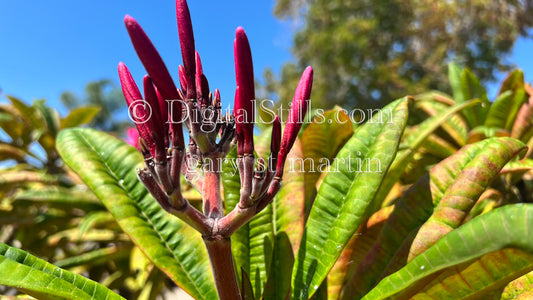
[151,60]
[239,126]
[163,107]
[275,141]
[296,115]
[187,46]
[202,86]
[244,72]
[157,70]
[198,77]
[183,79]
[216,100]
[137,106]
[156,124]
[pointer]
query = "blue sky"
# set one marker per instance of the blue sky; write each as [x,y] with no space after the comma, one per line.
[51,46]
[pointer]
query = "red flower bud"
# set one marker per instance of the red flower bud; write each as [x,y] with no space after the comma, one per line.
[187,46]
[202,86]
[183,79]
[216,100]
[296,115]
[163,107]
[136,106]
[275,140]
[244,110]
[156,124]
[151,60]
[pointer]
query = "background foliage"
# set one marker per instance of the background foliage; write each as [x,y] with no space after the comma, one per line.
[367,53]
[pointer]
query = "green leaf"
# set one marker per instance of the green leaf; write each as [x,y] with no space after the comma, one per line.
[289,203]
[508,227]
[321,141]
[482,132]
[513,81]
[518,166]
[42,280]
[418,203]
[259,247]
[61,197]
[455,127]
[411,144]
[17,127]
[94,219]
[108,165]
[344,195]
[247,292]
[240,242]
[25,177]
[503,111]
[519,286]
[472,89]
[523,123]
[355,251]
[288,216]
[50,116]
[454,76]
[278,285]
[80,116]
[261,243]
[8,151]
[29,113]
[460,196]
[96,257]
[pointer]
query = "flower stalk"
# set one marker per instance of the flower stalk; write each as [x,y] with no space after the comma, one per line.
[211,135]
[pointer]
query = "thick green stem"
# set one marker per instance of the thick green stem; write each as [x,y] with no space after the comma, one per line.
[219,249]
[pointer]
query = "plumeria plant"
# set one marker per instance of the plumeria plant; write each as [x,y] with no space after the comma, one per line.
[330,211]
[159,120]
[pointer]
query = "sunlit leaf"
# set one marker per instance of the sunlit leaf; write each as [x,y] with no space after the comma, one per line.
[418,204]
[344,196]
[108,165]
[508,227]
[42,280]
[411,143]
[80,116]
[96,257]
[321,141]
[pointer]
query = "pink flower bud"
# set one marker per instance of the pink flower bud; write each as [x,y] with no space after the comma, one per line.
[132,137]
[216,100]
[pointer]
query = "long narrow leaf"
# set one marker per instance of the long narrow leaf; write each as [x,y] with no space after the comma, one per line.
[42,280]
[502,228]
[418,204]
[108,165]
[344,196]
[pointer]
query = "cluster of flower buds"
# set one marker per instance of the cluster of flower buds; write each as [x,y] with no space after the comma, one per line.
[159,116]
